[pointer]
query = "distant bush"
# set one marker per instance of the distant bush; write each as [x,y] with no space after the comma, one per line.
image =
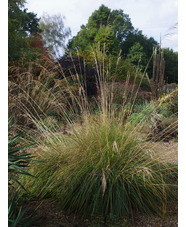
[168,88]
[124,68]
[146,113]
[123,91]
[159,120]
[169,101]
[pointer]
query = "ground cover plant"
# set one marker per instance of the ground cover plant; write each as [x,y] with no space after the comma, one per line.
[98,163]
[161,116]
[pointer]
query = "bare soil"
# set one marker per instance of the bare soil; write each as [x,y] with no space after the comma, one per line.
[167,151]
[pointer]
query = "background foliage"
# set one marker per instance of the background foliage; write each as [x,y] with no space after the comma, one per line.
[22,25]
[54,33]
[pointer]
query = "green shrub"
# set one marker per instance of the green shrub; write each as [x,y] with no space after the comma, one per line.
[170,102]
[158,121]
[145,113]
[165,110]
[123,93]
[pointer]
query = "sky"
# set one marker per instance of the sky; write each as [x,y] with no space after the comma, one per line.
[154,17]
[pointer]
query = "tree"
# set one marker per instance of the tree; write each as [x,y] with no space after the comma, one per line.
[171,65]
[137,55]
[146,43]
[137,36]
[54,33]
[113,30]
[102,22]
[105,35]
[22,25]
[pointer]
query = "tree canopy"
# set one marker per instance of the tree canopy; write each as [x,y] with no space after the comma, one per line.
[137,56]
[22,25]
[54,33]
[105,26]
[114,29]
[171,65]
[111,30]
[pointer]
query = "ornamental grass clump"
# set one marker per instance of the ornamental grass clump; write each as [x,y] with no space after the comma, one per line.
[102,167]
[102,164]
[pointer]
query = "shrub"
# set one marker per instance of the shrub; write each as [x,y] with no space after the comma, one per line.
[168,88]
[123,92]
[170,101]
[143,113]
[158,121]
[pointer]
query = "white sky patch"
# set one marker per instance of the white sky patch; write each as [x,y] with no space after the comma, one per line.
[153,17]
